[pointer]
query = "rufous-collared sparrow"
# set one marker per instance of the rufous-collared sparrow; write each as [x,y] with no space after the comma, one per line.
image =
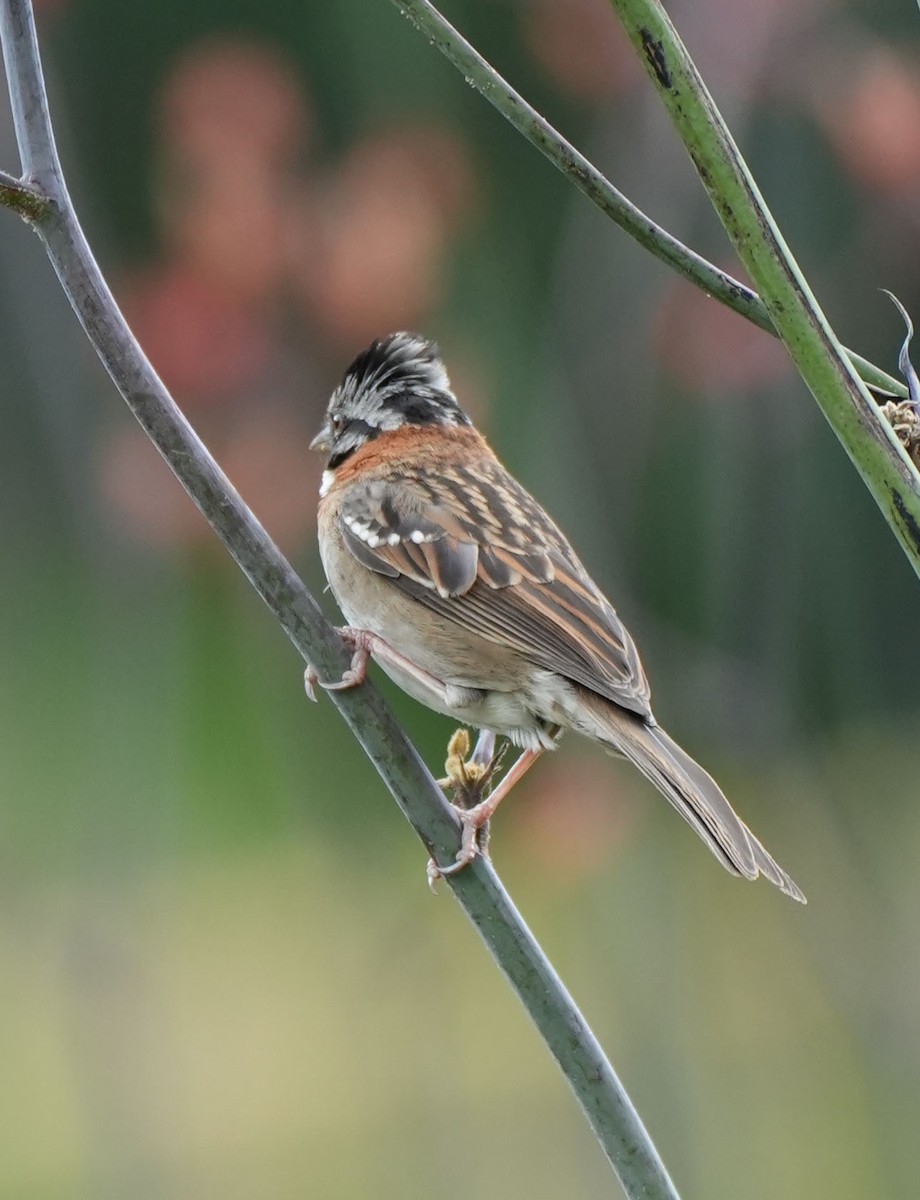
[455,580]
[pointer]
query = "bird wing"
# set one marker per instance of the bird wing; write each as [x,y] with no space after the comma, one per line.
[474,547]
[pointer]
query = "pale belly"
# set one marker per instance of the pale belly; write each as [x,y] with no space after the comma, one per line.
[473,680]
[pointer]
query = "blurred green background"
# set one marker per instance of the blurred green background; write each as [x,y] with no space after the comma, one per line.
[220,970]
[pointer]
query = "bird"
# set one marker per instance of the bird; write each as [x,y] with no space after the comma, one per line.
[454,579]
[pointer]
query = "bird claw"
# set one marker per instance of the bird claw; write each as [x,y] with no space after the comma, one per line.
[352,676]
[474,841]
[433,873]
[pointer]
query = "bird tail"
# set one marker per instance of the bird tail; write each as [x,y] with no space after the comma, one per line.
[693,792]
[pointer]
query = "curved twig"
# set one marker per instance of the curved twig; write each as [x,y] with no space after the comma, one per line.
[599,190]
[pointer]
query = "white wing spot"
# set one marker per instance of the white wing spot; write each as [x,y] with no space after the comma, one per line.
[394,539]
[359,528]
[417,536]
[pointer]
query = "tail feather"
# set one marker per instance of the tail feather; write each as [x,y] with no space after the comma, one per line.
[691,790]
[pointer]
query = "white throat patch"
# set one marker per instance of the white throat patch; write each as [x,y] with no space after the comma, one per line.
[327,481]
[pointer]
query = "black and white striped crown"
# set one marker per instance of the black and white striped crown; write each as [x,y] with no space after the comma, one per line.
[399,380]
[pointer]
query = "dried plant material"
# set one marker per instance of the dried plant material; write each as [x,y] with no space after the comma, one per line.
[904,415]
[467,774]
[903,418]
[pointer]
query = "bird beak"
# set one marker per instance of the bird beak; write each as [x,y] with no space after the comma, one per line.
[323,440]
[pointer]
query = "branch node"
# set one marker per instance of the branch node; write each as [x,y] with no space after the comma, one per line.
[30,202]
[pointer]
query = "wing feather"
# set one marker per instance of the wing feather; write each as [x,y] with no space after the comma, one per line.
[509,575]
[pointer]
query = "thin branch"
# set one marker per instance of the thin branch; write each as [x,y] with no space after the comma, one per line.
[598,189]
[478,889]
[821,361]
[28,98]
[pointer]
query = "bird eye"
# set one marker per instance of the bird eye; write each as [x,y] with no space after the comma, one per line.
[336,423]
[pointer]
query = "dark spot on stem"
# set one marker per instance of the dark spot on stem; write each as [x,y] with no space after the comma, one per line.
[654,52]
[908,522]
[31,204]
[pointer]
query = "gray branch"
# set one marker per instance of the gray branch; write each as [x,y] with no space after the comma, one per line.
[478,889]
[599,190]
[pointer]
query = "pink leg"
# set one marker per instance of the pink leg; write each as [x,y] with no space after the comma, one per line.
[473,819]
[365,644]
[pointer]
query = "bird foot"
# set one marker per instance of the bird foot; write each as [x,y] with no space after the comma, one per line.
[364,643]
[361,643]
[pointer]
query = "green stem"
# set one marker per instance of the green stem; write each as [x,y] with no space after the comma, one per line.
[821,360]
[599,190]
